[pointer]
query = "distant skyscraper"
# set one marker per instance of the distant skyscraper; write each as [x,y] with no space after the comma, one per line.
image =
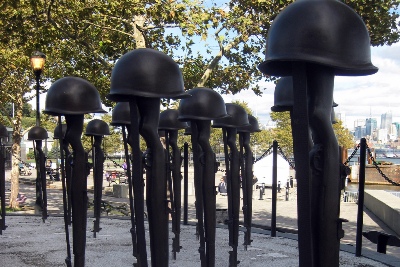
[397,125]
[340,116]
[359,123]
[386,121]
[359,132]
[370,126]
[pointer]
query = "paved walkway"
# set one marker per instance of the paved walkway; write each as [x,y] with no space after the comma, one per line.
[286,211]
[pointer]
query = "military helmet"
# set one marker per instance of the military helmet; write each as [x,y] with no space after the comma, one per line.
[237,117]
[37,133]
[97,127]
[121,114]
[283,95]
[169,120]
[323,32]
[205,104]
[57,131]
[72,96]
[146,72]
[252,128]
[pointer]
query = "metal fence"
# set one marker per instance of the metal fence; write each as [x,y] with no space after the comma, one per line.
[350,196]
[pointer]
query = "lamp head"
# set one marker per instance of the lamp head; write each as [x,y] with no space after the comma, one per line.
[37,62]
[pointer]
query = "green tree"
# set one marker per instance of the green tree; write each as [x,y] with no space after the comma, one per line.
[343,135]
[283,131]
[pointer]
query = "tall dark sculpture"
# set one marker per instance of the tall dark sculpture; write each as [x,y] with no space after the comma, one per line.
[3,134]
[247,159]
[333,40]
[170,124]
[65,169]
[121,117]
[38,134]
[97,129]
[237,118]
[73,97]
[204,106]
[141,77]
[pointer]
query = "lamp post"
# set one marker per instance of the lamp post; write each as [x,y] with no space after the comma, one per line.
[37,63]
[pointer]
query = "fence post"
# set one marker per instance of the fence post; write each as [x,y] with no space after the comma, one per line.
[185,182]
[274,186]
[361,186]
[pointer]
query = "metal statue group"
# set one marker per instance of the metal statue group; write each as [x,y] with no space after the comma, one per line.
[306,53]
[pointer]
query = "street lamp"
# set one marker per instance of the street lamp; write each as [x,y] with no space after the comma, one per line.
[37,63]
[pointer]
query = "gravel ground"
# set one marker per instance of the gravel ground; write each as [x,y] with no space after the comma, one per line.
[28,242]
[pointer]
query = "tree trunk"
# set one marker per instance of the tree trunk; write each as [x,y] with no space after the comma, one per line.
[138,35]
[16,151]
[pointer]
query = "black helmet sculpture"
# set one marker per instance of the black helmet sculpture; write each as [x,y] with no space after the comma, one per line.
[310,31]
[252,128]
[169,120]
[205,104]
[57,131]
[188,130]
[121,114]
[283,95]
[97,127]
[148,73]
[37,133]
[3,131]
[72,96]
[238,117]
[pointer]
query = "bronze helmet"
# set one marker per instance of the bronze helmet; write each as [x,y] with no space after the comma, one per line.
[37,133]
[97,127]
[323,32]
[237,117]
[283,95]
[121,114]
[146,72]
[3,131]
[252,128]
[205,104]
[57,131]
[169,120]
[72,96]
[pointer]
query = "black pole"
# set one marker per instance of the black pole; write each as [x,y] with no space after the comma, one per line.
[137,181]
[130,184]
[42,174]
[198,183]
[98,161]
[245,189]
[274,186]
[233,179]
[185,182]
[361,185]
[37,75]
[2,188]
[67,215]
[177,191]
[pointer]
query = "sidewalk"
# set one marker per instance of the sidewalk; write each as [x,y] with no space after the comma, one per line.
[286,211]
